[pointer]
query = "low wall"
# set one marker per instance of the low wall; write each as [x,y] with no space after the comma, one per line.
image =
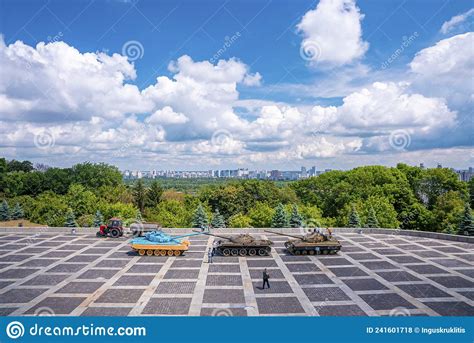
[89,230]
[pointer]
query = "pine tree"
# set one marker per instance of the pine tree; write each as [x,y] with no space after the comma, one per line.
[466,225]
[139,195]
[354,220]
[70,219]
[296,220]
[280,218]
[98,219]
[153,196]
[200,219]
[217,220]
[4,211]
[372,218]
[138,217]
[18,212]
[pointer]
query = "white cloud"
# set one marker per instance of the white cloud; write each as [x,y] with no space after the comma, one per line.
[322,148]
[334,29]
[166,116]
[458,22]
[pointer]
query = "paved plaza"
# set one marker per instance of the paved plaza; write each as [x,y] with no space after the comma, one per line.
[373,275]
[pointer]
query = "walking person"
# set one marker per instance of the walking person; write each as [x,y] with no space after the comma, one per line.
[266,276]
[210,253]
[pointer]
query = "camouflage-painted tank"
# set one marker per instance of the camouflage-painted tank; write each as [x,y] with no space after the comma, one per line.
[241,245]
[313,243]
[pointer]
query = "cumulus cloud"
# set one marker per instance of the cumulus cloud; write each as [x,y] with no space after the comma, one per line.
[461,21]
[166,115]
[334,29]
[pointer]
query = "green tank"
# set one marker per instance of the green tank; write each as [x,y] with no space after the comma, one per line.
[313,243]
[241,245]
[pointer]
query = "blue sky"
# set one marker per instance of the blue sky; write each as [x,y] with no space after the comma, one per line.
[265,39]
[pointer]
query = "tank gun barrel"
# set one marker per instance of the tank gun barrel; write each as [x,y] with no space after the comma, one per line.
[188,235]
[212,234]
[284,234]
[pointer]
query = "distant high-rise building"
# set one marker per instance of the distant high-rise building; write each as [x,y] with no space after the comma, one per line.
[422,165]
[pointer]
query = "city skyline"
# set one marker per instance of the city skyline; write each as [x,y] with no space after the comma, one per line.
[214,85]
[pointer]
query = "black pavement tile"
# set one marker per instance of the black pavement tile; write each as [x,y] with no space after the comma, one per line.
[279,305]
[467,257]
[275,287]
[363,256]
[467,272]
[17,273]
[182,287]
[451,308]
[16,296]
[145,268]
[224,268]
[112,263]
[66,268]
[134,280]
[224,280]
[364,284]
[426,269]
[181,274]
[405,259]
[14,258]
[4,284]
[373,265]
[98,274]
[59,305]
[326,294]
[80,287]
[5,311]
[347,271]
[453,281]
[312,279]
[340,310]
[386,301]
[450,249]
[428,253]
[224,296]
[120,296]
[423,291]
[451,263]
[106,311]
[168,306]
[388,251]
[335,261]
[261,263]
[39,262]
[45,280]
[468,294]
[186,264]
[224,312]
[82,258]
[302,267]
[398,276]
[291,258]
[223,259]
[258,273]
[94,251]
[56,254]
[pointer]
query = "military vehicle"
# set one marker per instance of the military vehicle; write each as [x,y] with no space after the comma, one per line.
[313,243]
[241,245]
[159,243]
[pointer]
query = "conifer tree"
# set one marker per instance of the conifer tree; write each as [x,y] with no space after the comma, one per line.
[217,220]
[466,225]
[280,218]
[70,219]
[18,212]
[296,220]
[4,211]
[372,218]
[98,219]
[354,219]
[200,219]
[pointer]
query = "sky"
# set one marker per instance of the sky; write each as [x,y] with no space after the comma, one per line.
[198,85]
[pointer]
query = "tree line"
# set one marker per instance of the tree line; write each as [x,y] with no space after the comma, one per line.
[402,197]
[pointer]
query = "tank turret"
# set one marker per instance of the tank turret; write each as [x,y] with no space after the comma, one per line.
[311,243]
[161,244]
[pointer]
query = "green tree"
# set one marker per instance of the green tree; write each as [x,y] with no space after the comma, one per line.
[416,217]
[466,224]
[17,212]
[81,200]
[471,191]
[296,220]
[280,219]
[153,195]
[239,220]
[447,210]
[70,219]
[200,219]
[95,175]
[4,211]
[261,215]
[354,219]
[49,208]
[139,195]
[98,219]
[372,221]
[169,213]
[217,220]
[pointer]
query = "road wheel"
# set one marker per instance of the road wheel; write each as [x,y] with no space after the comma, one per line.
[304,252]
[325,252]
[332,252]
[242,252]
[141,252]
[177,253]
[162,252]
[170,252]
[311,252]
[149,252]
[252,252]
[234,252]
[157,252]
[262,252]
[297,252]
[226,252]
[114,233]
